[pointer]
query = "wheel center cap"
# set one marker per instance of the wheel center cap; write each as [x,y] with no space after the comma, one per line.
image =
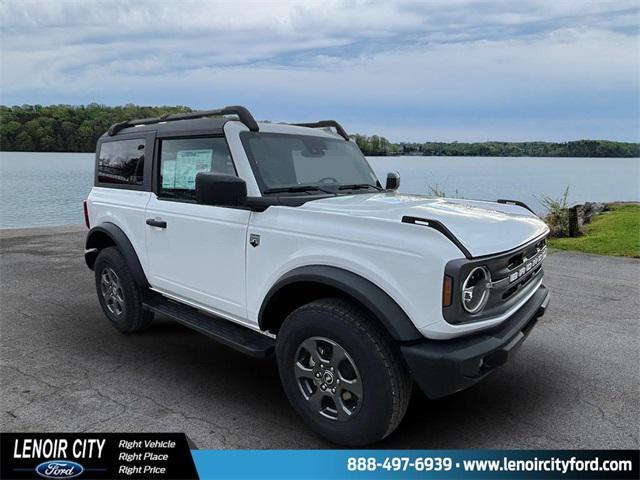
[328,378]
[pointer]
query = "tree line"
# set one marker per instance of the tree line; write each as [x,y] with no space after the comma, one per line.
[375,145]
[67,128]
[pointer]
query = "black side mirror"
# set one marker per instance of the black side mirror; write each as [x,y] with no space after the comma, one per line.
[220,190]
[393,181]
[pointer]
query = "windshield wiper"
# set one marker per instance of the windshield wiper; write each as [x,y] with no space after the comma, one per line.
[358,186]
[299,188]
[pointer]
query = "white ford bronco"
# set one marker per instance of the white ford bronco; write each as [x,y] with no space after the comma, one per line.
[279,238]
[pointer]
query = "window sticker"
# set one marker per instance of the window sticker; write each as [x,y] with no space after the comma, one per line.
[182,174]
[168,173]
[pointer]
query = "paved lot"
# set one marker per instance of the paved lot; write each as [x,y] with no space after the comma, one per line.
[574,384]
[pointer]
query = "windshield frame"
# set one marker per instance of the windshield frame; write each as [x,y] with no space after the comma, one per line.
[244,138]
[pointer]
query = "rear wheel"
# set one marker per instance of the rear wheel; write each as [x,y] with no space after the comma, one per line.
[119,295]
[342,372]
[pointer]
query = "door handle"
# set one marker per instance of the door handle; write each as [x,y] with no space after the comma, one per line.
[156,222]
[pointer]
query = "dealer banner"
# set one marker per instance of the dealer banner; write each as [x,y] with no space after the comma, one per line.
[174,456]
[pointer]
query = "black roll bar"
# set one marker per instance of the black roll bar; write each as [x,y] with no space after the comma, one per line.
[242,113]
[326,123]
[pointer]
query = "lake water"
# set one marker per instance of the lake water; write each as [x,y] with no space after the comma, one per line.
[40,189]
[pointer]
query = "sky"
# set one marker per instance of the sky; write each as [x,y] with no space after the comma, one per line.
[441,70]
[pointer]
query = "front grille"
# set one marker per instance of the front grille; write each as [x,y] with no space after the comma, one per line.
[520,269]
[519,285]
[519,258]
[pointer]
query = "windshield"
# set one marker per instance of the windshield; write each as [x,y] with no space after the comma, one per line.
[304,163]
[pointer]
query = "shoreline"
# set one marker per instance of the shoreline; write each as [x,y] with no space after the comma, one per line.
[37,231]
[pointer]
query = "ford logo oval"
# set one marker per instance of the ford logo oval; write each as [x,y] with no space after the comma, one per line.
[59,469]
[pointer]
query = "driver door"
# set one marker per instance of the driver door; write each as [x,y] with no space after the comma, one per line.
[196,253]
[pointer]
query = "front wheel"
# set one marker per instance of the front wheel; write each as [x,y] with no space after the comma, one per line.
[342,372]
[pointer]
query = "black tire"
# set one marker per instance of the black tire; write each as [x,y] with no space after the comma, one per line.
[385,381]
[123,304]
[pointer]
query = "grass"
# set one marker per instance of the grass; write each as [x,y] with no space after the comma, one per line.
[616,232]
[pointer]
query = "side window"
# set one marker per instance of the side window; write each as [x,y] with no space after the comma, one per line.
[121,162]
[181,159]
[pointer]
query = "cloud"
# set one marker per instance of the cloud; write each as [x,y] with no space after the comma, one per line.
[458,69]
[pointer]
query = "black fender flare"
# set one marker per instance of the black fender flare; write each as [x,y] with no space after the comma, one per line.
[372,297]
[95,242]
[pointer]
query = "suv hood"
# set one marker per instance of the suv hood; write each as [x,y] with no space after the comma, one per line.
[484,228]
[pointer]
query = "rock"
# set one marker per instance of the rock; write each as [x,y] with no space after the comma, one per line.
[588,210]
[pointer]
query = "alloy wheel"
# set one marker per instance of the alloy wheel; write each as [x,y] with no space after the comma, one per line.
[328,378]
[111,290]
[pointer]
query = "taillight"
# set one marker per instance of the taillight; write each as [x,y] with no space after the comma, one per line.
[86,214]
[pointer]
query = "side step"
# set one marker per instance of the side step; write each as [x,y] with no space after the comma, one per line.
[226,332]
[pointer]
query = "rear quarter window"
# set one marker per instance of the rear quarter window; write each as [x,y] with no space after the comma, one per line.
[121,162]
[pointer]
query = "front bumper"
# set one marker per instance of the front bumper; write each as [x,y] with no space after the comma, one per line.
[443,367]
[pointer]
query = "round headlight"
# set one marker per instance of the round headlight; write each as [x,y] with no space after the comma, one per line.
[475,289]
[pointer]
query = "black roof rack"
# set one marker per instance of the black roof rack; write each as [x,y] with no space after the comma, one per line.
[242,113]
[326,123]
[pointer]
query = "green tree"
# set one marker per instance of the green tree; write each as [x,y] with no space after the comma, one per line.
[24,143]
[65,128]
